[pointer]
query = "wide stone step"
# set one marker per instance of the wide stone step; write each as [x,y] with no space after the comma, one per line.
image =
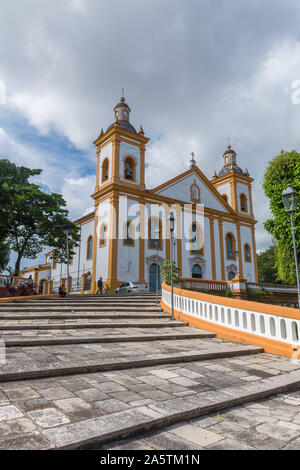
[61,316]
[68,325]
[114,301]
[80,308]
[123,338]
[90,433]
[25,364]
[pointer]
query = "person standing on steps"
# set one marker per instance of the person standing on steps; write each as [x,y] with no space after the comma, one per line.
[100,287]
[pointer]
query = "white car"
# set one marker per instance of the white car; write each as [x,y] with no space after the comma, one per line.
[132,287]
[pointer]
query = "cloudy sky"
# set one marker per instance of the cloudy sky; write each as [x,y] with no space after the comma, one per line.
[195,73]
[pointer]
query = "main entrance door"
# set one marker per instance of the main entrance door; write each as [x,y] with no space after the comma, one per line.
[154,274]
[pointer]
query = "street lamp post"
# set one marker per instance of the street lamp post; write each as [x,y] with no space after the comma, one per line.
[157,268]
[290,199]
[172,226]
[67,228]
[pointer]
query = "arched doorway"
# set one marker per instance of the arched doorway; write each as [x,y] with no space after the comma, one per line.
[231,275]
[87,281]
[154,277]
[197,272]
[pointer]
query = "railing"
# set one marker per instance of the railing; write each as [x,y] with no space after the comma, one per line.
[272,327]
[280,289]
[11,280]
[204,284]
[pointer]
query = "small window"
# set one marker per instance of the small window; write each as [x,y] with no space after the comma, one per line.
[103,235]
[196,240]
[247,252]
[89,253]
[243,203]
[155,233]
[105,170]
[230,246]
[128,235]
[197,272]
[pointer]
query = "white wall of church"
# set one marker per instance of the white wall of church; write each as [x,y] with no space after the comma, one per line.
[217,250]
[248,268]
[225,189]
[229,227]
[103,252]
[128,256]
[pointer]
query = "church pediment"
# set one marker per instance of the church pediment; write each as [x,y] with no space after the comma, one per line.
[193,187]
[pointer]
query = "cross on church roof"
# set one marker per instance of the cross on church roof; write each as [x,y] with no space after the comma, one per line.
[193,161]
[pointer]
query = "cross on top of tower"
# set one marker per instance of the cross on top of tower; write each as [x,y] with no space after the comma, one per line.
[193,161]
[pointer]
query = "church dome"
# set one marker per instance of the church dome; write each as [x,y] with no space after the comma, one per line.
[122,113]
[230,163]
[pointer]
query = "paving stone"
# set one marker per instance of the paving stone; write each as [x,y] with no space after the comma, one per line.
[229,444]
[112,405]
[15,427]
[169,441]
[48,417]
[271,444]
[196,435]
[91,394]
[9,412]
[56,393]
[164,373]
[23,393]
[32,441]
[277,432]
[70,405]
[36,404]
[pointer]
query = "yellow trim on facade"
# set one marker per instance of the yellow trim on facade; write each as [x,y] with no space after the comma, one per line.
[212,248]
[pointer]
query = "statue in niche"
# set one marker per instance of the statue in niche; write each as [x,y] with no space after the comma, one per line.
[195,193]
[128,171]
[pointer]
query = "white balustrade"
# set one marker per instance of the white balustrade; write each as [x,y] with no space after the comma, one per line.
[262,324]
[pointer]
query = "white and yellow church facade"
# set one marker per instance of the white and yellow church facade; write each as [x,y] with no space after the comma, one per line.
[127,236]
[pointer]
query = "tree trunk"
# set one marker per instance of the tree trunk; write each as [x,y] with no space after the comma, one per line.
[18,264]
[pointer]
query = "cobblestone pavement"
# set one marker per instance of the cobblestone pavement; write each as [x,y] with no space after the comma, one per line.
[31,411]
[268,424]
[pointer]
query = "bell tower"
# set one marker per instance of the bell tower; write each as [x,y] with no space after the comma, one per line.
[121,152]
[234,184]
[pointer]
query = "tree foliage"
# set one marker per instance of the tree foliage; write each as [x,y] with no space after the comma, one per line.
[30,219]
[4,255]
[266,263]
[283,169]
[166,271]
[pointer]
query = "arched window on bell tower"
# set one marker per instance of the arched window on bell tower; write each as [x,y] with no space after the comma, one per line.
[105,170]
[129,169]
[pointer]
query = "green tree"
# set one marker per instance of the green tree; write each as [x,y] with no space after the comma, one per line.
[166,271]
[283,169]
[266,263]
[4,255]
[31,220]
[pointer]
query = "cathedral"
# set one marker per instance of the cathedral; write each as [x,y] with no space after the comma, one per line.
[127,236]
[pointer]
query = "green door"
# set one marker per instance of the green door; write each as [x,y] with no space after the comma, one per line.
[154,277]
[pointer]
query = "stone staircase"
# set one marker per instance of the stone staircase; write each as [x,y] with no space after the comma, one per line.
[85,370]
